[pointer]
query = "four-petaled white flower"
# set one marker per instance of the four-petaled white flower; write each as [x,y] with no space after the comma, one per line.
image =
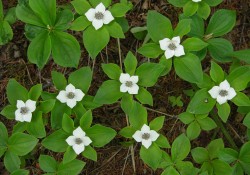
[24,110]
[196,0]
[70,96]
[129,83]
[146,136]
[79,140]
[172,47]
[223,92]
[99,16]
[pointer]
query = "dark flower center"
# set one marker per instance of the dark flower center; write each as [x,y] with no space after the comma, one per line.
[129,83]
[99,15]
[70,95]
[78,141]
[223,93]
[146,136]
[24,110]
[172,46]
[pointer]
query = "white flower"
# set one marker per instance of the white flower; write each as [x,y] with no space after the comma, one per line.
[223,92]
[70,96]
[146,136]
[129,83]
[24,110]
[172,47]
[79,140]
[99,16]
[196,0]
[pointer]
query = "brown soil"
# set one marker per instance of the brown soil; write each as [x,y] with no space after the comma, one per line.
[115,159]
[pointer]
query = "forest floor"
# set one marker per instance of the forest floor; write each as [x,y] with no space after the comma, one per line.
[114,159]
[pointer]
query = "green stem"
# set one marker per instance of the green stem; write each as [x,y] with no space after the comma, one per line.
[224,130]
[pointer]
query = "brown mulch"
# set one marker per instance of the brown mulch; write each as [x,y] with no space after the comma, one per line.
[114,159]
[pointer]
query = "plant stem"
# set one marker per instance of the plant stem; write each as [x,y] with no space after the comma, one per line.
[119,51]
[224,130]
[163,113]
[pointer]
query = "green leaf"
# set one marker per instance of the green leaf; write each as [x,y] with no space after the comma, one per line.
[11,161]
[21,144]
[203,10]
[221,22]
[67,124]
[81,6]
[130,63]
[214,148]
[36,126]
[182,28]
[65,49]
[20,172]
[245,153]
[178,3]
[56,141]
[180,148]
[221,167]
[59,80]
[189,68]
[119,9]
[100,135]
[9,112]
[90,153]
[123,22]
[216,72]
[200,154]
[89,40]
[241,99]
[109,92]
[6,33]
[197,27]
[246,120]
[80,23]
[242,55]
[201,103]
[158,26]
[57,113]
[106,3]
[25,14]
[112,70]
[151,156]
[207,123]
[69,155]
[47,163]
[144,97]
[219,49]
[1,11]
[150,50]
[35,92]
[64,20]
[81,78]
[74,167]
[86,120]
[46,10]
[190,8]
[3,134]
[186,117]
[167,63]
[79,110]
[127,132]
[16,91]
[20,127]
[127,103]
[88,102]
[137,115]
[194,44]
[157,123]
[162,142]
[193,130]
[228,155]
[149,73]
[239,78]
[170,170]
[46,106]
[115,30]
[39,49]
[223,111]
[213,2]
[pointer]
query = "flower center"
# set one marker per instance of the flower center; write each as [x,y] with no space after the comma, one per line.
[129,83]
[70,95]
[145,136]
[223,93]
[99,15]
[24,110]
[78,141]
[172,46]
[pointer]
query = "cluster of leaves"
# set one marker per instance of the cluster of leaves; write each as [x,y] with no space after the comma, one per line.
[46,27]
